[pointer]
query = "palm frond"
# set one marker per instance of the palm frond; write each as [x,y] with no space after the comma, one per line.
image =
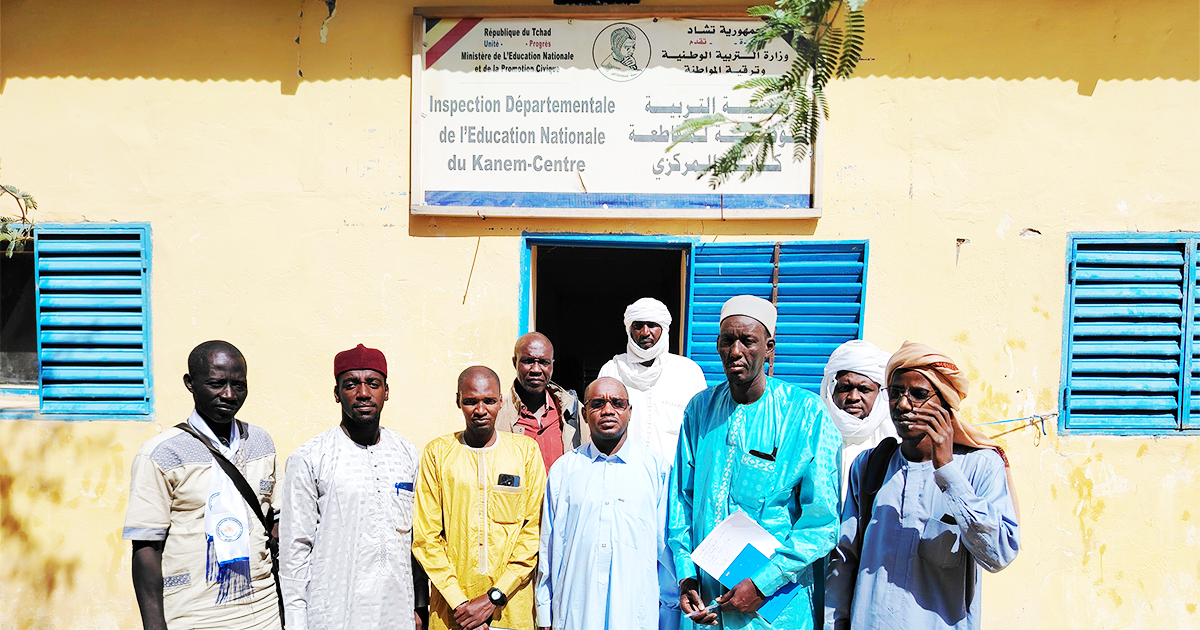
[828,38]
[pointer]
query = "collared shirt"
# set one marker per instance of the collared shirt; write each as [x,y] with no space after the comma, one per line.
[346,533]
[931,532]
[658,411]
[478,511]
[724,463]
[544,426]
[567,404]
[167,495]
[602,540]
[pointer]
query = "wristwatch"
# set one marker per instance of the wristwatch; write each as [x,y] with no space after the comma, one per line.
[497,597]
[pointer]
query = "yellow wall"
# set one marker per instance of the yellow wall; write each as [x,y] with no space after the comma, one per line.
[279,213]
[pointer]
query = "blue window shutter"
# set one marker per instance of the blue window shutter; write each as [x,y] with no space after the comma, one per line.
[1192,400]
[93,314]
[821,293]
[1125,343]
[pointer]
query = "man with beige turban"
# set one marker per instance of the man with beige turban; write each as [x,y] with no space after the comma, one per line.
[939,510]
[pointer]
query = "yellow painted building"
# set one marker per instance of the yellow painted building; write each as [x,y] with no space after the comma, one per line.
[266,145]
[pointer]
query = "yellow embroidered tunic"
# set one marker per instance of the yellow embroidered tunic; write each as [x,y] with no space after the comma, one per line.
[477,518]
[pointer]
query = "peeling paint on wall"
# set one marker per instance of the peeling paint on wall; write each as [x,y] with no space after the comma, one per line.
[332,6]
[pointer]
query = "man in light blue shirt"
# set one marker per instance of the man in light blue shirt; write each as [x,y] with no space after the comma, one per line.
[943,510]
[603,523]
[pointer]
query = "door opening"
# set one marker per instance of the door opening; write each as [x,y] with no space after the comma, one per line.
[580,295]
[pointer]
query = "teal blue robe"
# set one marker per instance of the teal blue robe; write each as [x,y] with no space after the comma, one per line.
[794,497]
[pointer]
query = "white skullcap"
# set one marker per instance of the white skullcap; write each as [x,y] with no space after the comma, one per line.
[751,306]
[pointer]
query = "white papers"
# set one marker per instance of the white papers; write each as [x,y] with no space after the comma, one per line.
[717,551]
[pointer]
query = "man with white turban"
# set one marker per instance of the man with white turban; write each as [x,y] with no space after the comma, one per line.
[921,520]
[660,384]
[855,395]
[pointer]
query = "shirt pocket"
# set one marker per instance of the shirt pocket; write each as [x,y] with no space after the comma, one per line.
[402,509]
[753,479]
[504,504]
[940,544]
[630,529]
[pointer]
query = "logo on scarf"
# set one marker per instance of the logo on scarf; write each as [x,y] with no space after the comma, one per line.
[229,529]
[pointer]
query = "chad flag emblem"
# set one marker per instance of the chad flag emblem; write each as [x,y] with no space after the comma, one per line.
[442,34]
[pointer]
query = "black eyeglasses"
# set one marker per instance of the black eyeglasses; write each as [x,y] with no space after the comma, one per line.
[596,404]
[916,395]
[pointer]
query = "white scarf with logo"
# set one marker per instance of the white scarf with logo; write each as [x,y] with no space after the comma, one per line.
[226,524]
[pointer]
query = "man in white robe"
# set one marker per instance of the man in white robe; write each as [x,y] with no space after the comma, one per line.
[660,384]
[346,525]
[856,396]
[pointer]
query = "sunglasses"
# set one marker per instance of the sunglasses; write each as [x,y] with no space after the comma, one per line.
[916,395]
[596,404]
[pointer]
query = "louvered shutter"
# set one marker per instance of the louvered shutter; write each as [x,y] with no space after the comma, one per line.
[1128,355]
[820,301]
[1193,418]
[93,313]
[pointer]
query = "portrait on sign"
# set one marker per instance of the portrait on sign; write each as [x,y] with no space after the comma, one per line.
[621,51]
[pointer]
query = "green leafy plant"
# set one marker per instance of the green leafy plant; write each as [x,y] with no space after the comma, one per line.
[16,231]
[827,36]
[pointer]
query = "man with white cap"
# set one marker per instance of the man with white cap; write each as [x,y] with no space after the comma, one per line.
[660,384]
[856,396]
[764,447]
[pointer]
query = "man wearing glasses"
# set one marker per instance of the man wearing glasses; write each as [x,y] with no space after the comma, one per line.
[764,447]
[939,509]
[602,537]
[479,504]
[538,408]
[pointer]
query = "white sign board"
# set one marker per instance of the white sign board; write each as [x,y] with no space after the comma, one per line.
[574,118]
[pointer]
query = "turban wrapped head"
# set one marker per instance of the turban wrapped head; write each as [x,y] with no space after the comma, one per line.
[640,376]
[865,358]
[951,383]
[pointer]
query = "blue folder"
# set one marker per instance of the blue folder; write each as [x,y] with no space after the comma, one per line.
[746,564]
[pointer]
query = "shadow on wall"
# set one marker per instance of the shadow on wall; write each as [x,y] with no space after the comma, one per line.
[34,492]
[281,41]
[232,40]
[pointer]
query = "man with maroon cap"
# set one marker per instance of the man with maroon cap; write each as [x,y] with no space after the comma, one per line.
[346,525]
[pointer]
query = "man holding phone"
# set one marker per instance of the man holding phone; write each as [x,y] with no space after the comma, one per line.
[938,510]
[479,506]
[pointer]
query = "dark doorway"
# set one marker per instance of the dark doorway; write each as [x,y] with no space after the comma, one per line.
[18,319]
[580,295]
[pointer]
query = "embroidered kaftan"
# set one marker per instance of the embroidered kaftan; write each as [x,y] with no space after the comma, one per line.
[794,497]
[346,533]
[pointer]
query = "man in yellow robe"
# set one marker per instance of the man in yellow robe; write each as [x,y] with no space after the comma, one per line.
[478,514]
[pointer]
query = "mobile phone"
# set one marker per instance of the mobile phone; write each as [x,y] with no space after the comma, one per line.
[509,481]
